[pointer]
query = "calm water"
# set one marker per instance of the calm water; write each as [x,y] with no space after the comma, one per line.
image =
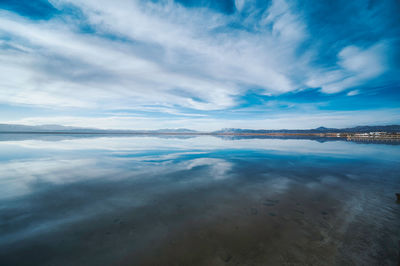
[68,200]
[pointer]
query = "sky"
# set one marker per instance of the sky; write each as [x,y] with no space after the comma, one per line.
[200,64]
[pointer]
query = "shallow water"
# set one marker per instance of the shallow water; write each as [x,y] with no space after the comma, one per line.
[145,200]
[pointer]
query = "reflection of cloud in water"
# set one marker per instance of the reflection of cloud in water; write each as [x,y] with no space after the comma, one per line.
[207,143]
[218,167]
[17,176]
[74,190]
[322,181]
[277,184]
[155,186]
[158,157]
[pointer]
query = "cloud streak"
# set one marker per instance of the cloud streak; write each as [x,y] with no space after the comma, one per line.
[336,119]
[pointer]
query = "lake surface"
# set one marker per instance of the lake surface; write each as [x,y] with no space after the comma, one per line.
[146,200]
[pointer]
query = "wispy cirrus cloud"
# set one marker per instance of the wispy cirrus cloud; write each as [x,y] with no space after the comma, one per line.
[108,56]
[354,67]
[186,57]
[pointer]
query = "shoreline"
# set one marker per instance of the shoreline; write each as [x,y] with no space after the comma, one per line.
[348,136]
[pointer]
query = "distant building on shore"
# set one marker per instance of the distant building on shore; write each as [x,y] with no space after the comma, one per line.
[370,134]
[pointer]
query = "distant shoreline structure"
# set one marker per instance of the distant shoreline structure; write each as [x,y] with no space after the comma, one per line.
[349,136]
[359,133]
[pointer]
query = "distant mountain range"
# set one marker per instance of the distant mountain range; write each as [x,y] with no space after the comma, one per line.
[65,129]
[12,128]
[358,129]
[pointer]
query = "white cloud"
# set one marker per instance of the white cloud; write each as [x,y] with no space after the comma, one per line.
[354,67]
[285,24]
[173,56]
[239,4]
[353,93]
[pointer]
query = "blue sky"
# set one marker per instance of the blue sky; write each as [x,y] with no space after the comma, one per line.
[200,64]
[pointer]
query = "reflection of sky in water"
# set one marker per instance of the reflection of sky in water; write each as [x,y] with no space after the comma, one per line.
[46,185]
[24,163]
